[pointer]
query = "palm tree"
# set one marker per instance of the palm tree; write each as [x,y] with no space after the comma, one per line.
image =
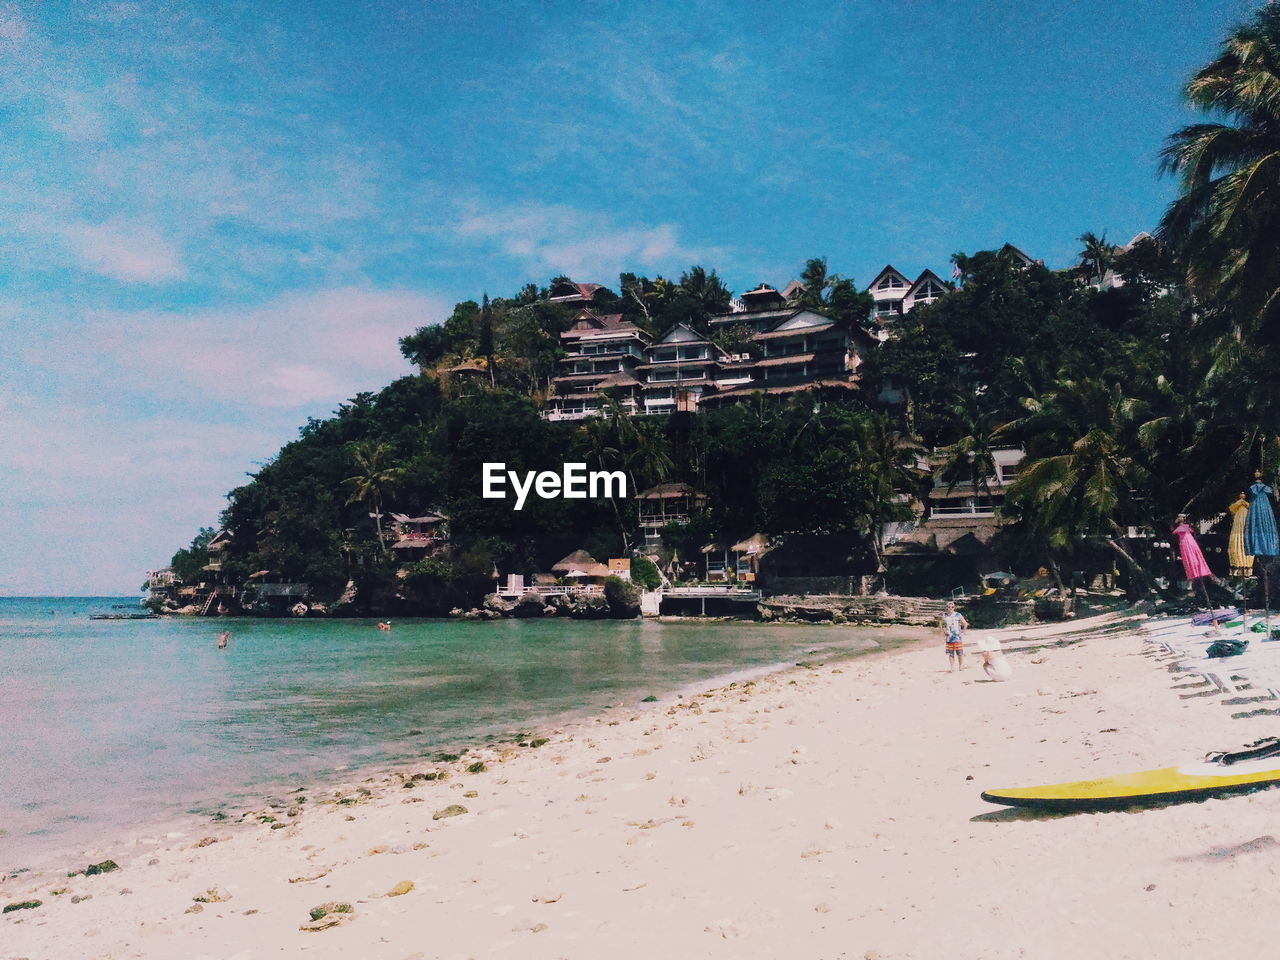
[375,478]
[1096,257]
[971,459]
[1226,223]
[486,338]
[885,457]
[1084,475]
[707,289]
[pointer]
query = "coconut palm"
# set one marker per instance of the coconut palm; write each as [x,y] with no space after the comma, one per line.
[375,478]
[885,458]
[1083,478]
[1096,257]
[971,459]
[1226,223]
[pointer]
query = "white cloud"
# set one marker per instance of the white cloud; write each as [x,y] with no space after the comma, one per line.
[298,351]
[114,458]
[123,250]
[582,244]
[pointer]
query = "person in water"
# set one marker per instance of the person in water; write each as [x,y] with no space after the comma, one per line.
[384,624]
[953,626]
[223,637]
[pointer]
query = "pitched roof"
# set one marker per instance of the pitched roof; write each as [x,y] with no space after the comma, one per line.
[580,291]
[925,275]
[757,544]
[1010,248]
[798,323]
[575,561]
[681,333]
[598,321]
[668,491]
[888,268]
[620,379]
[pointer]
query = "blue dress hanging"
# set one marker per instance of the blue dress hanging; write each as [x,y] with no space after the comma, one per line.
[1260,537]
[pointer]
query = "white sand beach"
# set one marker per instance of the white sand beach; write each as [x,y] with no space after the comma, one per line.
[821,812]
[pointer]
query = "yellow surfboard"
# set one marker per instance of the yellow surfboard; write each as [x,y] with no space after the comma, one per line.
[1191,781]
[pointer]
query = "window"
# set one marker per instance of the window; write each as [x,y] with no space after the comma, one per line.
[891,282]
[929,293]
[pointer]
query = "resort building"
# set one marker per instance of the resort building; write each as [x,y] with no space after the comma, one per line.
[799,351]
[680,367]
[414,538]
[958,521]
[895,295]
[667,503]
[603,352]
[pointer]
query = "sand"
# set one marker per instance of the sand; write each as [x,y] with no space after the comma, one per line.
[821,812]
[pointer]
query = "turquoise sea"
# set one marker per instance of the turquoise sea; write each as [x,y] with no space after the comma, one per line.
[114,725]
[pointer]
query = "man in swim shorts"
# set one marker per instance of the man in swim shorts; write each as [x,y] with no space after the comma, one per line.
[953,626]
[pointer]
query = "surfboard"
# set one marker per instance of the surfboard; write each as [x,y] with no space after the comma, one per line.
[1216,776]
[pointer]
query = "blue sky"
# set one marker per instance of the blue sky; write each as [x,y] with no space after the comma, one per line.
[219,218]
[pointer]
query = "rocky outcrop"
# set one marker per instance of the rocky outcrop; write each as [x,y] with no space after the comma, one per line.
[913,611]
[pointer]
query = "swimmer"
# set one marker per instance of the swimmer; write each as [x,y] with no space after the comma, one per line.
[384,624]
[223,637]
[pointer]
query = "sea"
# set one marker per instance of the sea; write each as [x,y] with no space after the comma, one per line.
[111,727]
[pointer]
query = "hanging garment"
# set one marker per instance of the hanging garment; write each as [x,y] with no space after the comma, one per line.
[1237,556]
[1260,537]
[1192,559]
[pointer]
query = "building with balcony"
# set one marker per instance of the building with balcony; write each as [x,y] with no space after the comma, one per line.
[602,352]
[413,538]
[680,368]
[799,350]
[667,503]
[895,295]
[956,522]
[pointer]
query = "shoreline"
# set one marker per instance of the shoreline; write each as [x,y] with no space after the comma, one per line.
[832,809]
[233,809]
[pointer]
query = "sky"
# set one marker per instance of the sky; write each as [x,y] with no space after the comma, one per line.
[218,219]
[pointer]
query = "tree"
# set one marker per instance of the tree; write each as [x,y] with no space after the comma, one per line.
[375,478]
[1226,223]
[1097,256]
[486,338]
[706,290]
[885,458]
[971,459]
[1082,480]
[188,562]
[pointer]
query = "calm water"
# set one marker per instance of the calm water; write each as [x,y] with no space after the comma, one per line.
[114,724]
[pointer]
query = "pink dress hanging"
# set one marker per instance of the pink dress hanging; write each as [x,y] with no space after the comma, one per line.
[1192,559]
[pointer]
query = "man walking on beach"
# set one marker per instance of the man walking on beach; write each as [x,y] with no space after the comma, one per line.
[953,626]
